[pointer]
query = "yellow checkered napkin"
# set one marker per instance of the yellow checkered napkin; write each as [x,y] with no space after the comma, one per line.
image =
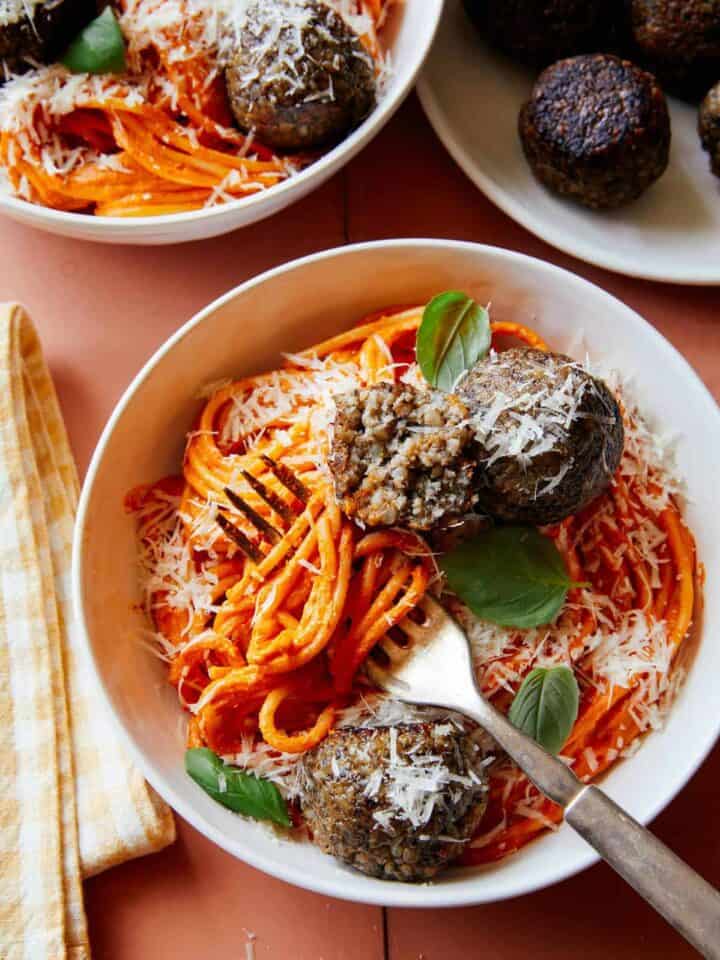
[71,803]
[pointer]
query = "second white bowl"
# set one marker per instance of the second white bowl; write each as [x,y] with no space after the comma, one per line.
[410,30]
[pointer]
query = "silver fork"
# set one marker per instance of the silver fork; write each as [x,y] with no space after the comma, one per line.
[435,668]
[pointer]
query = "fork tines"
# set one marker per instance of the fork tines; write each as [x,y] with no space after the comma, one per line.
[275,502]
[239,539]
[260,523]
[288,480]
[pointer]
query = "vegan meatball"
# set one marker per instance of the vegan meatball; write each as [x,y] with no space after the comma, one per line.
[679,41]
[597,129]
[550,435]
[709,126]
[397,803]
[300,77]
[402,456]
[539,33]
[39,30]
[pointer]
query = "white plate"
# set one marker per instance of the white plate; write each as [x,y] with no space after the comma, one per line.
[409,34]
[472,97]
[292,307]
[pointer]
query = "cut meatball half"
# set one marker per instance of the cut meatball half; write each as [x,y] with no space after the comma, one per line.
[397,803]
[402,456]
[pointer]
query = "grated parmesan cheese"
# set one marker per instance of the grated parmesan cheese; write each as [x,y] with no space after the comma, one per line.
[625,646]
[535,415]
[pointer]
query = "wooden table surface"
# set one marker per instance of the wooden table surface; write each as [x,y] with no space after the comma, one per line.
[101,312]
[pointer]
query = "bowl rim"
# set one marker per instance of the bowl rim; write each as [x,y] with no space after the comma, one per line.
[321,169]
[389,894]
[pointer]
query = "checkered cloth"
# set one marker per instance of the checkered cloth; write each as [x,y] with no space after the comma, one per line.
[71,803]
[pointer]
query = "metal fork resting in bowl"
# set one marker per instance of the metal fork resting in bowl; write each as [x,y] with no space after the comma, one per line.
[435,668]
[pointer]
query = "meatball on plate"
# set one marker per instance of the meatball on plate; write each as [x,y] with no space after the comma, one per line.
[539,33]
[709,127]
[162,121]
[596,129]
[679,41]
[597,165]
[503,445]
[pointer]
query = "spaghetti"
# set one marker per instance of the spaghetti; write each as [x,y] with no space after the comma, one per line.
[157,140]
[266,642]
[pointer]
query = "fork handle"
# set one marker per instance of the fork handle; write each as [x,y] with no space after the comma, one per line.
[677,892]
[668,884]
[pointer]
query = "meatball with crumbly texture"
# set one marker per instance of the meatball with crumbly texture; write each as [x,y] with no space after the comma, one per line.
[596,129]
[679,41]
[550,435]
[300,76]
[39,30]
[402,456]
[397,803]
[709,127]
[539,33]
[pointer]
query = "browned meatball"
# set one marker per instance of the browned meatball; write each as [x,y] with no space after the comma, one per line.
[397,803]
[539,33]
[679,41]
[596,129]
[550,435]
[300,77]
[709,127]
[402,456]
[39,30]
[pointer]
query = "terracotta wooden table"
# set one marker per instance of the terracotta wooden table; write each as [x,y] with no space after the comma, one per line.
[101,312]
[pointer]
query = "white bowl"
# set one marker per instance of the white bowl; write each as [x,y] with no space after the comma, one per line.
[410,30]
[294,306]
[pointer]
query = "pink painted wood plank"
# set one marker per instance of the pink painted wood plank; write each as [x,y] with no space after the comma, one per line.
[195,902]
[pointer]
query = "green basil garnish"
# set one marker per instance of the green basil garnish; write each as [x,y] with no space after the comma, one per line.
[546,706]
[512,576]
[99,48]
[235,789]
[454,334]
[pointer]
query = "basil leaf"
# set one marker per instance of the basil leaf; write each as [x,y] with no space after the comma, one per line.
[99,48]
[235,789]
[512,576]
[454,334]
[546,706]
